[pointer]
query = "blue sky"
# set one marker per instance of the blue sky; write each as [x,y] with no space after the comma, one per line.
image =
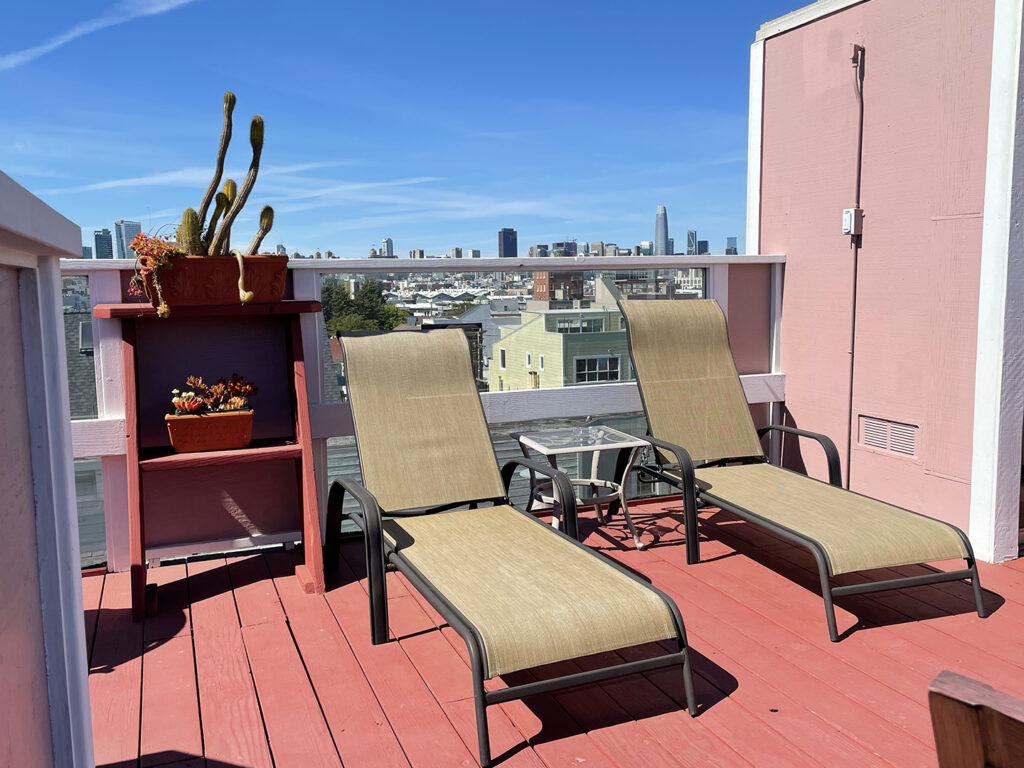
[435,124]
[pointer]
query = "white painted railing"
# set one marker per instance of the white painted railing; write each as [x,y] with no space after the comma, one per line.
[103,436]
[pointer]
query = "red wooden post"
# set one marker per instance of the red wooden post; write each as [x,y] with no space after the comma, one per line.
[311,573]
[136,528]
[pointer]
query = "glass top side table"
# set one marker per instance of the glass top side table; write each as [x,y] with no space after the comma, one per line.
[589,439]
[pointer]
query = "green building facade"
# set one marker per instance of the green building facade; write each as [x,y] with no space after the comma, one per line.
[561,348]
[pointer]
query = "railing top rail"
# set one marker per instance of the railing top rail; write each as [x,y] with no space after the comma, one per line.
[442,266]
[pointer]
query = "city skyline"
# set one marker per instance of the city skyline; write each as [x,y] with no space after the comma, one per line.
[434,150]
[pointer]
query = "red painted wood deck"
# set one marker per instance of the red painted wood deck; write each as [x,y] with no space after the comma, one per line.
[241,668]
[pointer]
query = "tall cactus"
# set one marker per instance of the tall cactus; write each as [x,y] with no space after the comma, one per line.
[221,206]
[256,139]
[222,150]
[266,222]
[190,233]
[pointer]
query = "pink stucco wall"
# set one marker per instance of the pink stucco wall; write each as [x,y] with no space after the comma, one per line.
[925,127]
[24,705]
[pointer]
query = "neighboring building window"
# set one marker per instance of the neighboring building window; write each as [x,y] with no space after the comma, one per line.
[579,325]
[501,358]
[529,360]
[590,370]
[541,360]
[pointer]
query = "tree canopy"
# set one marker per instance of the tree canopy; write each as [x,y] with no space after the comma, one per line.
[366,311]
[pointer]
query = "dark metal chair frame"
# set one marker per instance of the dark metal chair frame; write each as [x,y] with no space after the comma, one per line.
[382,556]
[686,482]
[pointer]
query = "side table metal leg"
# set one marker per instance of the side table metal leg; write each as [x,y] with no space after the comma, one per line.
[622,497]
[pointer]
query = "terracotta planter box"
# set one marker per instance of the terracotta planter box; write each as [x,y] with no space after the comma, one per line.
[209,431]
[200,280]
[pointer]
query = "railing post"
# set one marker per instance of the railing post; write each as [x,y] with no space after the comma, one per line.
[775,350]
[105,288]
[306,285]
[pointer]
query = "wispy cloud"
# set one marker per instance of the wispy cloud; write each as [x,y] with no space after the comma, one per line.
[185,177]
[118,14]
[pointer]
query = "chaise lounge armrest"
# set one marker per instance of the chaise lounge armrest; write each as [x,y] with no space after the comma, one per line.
[688,485]
[835,476]
[560,482]
[370,520]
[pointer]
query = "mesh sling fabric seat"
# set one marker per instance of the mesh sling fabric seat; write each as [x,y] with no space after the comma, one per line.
[434,506]
[698,415]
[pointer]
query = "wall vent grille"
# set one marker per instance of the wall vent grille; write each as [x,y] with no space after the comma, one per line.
[885,435]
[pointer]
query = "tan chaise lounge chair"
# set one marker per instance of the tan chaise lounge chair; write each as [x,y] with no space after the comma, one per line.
[698,414]
[434,506]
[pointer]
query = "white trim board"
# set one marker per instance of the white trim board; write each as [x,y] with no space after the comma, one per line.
[335,419]
[418,266]
[802,16]
[999,375]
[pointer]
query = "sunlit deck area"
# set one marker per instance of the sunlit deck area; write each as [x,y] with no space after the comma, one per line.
[239,667]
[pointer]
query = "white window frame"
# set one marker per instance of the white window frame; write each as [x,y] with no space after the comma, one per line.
[540,362]
[501,358]
[529,360]
[617,358]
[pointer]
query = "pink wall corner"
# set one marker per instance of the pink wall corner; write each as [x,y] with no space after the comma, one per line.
[25,737]
[927,71]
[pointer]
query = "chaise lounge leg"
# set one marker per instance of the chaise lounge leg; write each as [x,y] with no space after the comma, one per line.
[690,517]
[978,602]
[830,611]
[480,701]
[376,584]
[691,698]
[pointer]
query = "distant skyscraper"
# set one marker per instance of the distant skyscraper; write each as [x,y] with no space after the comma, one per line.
[563,250]
[328,254]
[611,249]
[86,252]
[702,247]
[281,250]
[597,247]
[456,253]
[124,231]
[671,245]
[508,245]
[416,253]
[691,242]
[387,249]
[104,244]
[473,253]
[661,231]
[730,246]
[646,248]
[539,250]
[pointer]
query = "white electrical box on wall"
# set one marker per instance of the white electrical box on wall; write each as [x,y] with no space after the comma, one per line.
[853,219]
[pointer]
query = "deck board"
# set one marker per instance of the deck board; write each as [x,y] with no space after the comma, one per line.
[240,667]
[115,677]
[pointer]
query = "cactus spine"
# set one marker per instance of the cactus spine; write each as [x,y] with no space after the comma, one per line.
[222,150]
[256,139]
[266,222]
[190,233]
